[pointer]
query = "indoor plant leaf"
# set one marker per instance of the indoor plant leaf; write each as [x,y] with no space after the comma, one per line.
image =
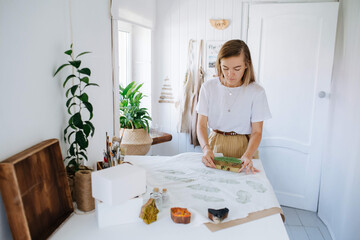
[91,84]
[85,71]
[84,97]
[82,54]
[69,101]
[77,120]
[69,108]
[84,155]
[75,63]
[61,67]
[68,52]
[80,139]
[125,91]
[87,129]
[73,89]
[91,126]
[85,80]
[68,78]
[70,135]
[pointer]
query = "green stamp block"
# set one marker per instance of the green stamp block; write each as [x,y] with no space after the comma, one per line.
[228,163]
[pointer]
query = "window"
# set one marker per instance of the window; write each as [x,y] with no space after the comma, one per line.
[132,62]
[124,57]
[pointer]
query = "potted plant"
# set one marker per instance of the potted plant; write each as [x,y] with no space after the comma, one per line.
[79,127]
[134,120]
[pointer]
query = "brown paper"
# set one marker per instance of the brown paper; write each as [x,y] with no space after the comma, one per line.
[251,217]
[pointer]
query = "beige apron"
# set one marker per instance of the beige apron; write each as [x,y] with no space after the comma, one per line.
[185,102]
[198,82]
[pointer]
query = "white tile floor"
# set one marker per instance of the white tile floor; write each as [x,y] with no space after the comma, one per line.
[304,225]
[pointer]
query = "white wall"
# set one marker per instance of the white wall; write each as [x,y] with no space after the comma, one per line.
[92,32]
[34,35]
[339,193]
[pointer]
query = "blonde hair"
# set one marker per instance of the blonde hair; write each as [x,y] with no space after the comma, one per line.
[234,48]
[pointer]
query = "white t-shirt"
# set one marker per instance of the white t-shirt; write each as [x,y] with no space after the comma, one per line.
[232,109]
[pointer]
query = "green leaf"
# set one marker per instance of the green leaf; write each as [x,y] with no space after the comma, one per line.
[77,120]
[70,135]
[124,93]
[85,80]
[70,122]
[87,130]
[73,89]
[138,87]
[84,97]
[72,162]
[137,125]
[71,45]
[61,67]
[90,108]
[91,126]
[68,52]
[68,78]
[69,108]
[123,103]
[71,149]
[91,84]
[82,54]
[80,139]
[67,92]
[84,155]
[65,131]
[130,92]
[69,100]
[85,71]
[75,63]
[147,126]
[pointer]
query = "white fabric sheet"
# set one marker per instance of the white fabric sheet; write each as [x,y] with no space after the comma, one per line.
[192,185]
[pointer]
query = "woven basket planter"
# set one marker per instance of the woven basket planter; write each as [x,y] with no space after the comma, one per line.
[136,141]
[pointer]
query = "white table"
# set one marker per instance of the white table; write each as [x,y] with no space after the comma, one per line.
[85,227]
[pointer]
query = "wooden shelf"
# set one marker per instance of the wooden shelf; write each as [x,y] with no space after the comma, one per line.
[160,137]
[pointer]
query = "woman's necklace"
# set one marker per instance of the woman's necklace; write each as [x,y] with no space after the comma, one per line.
[230,94]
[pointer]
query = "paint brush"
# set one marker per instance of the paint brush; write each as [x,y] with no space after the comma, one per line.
[121,137]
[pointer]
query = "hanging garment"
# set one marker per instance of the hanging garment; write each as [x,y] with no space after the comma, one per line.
[199,80]
[185,101]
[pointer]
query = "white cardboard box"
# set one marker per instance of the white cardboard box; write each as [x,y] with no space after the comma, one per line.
[127,212]
[118,184]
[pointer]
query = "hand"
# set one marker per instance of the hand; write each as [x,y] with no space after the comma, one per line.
[208,157]
[248,164]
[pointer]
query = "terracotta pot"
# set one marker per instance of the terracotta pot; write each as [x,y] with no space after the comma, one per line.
[136,141]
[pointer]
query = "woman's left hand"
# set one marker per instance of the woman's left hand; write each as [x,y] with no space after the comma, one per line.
[248,164]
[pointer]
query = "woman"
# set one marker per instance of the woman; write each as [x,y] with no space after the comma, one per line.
[234,106]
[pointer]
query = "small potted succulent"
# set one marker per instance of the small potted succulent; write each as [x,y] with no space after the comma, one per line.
[134,121]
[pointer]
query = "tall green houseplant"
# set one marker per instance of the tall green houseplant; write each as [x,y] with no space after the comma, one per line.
[79,126]
[132,115]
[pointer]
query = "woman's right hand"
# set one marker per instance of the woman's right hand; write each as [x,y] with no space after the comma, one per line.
[208,157]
